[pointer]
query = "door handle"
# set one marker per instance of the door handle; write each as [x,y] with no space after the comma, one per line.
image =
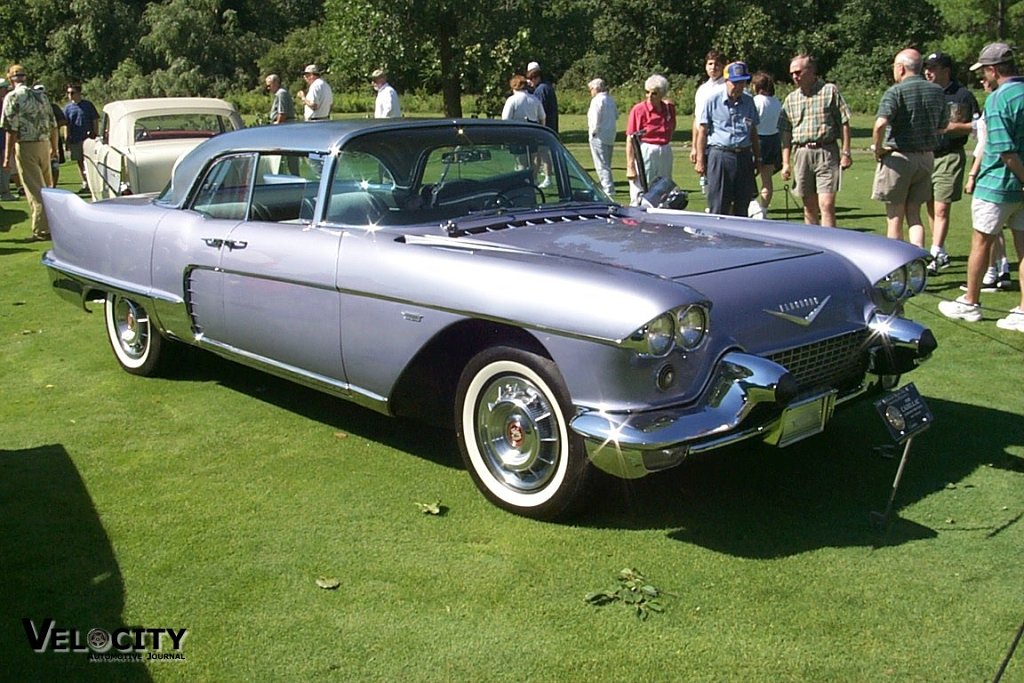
[235,244]
[213,242]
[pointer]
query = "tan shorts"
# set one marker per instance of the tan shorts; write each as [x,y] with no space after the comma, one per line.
[816,171]
[904,178]
[948,177]
[990,217]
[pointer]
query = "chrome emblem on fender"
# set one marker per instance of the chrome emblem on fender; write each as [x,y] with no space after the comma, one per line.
[802,311]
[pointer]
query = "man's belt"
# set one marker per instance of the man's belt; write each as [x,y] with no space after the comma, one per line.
[731,150]
[814,144]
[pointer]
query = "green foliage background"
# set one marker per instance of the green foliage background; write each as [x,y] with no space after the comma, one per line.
[464,52]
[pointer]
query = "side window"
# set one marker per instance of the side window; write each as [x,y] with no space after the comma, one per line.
[224,192]
[362,191]
[285,188]
[105,130]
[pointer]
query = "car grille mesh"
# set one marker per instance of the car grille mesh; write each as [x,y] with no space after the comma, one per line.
[839,362]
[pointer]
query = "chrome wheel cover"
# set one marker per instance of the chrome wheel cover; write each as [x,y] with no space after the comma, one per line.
[131,327]
[517,433]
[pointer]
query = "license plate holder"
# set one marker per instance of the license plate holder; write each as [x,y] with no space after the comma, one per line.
[805,418]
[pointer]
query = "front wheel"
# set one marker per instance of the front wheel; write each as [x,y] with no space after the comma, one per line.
[137,345]
[512,412]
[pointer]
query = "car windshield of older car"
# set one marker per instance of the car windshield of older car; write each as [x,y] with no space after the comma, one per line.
[433,174]
[180,126]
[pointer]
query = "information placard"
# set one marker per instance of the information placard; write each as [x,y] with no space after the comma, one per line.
[904,413]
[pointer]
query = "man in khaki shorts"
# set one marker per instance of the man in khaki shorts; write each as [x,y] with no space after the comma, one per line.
[813,122]
[999,188]
[911,118]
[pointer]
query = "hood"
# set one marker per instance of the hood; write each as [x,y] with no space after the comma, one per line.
[648,246]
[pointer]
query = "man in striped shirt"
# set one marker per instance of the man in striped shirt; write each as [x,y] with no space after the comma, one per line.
[999,186]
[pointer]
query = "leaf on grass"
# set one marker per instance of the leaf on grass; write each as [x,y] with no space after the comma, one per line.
[434,508]
[600,598]
[340,435]
[327,583]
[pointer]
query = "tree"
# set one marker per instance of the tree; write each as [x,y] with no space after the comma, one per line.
[449,45]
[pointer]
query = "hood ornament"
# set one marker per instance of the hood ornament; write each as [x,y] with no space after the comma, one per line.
[802,311]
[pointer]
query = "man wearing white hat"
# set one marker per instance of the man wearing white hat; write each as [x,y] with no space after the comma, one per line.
[386,105]
[317,102]
[999,186]
[545,92]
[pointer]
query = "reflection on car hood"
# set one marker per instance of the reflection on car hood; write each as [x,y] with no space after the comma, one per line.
[662,249]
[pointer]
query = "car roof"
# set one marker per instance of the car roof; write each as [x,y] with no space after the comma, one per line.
[318,136]
[160,105]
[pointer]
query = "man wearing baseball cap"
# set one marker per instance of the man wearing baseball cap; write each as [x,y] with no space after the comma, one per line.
[999,187]
[728,133]
[31,133]
[950,159]
[318,101]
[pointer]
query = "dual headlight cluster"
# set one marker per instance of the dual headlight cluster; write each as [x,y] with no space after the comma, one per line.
[904,282]
[685,327]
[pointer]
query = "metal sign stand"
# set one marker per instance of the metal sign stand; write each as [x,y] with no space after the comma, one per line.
[881,519]
[905,415]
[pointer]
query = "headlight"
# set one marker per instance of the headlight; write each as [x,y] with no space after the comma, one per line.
[917,276]
[657,337]
[894,285]
[693,327]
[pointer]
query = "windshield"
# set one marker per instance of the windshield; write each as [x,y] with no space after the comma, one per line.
[179,126]
[434,174]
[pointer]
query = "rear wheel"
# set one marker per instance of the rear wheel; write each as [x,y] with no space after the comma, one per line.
[512,412]
[137,345]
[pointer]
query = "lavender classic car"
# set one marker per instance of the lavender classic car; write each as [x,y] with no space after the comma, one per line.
[471,272]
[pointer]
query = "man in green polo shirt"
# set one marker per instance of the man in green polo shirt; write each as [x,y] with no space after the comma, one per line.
[999,187]
[912,117]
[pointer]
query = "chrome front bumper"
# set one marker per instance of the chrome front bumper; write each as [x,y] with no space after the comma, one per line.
[748,397]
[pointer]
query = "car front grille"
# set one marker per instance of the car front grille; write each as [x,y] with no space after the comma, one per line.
[837,363]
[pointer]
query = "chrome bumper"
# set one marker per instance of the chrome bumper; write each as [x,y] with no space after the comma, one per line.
[748,397]
[633,445]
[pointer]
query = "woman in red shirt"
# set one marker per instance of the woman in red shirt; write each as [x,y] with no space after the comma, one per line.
[656,117]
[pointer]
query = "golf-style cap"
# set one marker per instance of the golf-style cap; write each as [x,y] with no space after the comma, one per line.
[737,71]
[937,59]
[312,69]
[992,54]
[378,73]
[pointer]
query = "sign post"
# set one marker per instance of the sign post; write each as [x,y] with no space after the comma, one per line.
[905,415]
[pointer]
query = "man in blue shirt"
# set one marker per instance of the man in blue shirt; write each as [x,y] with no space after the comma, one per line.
[999,186]
[83,122]
[728,135]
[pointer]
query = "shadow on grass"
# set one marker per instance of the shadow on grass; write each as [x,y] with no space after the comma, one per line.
[428,441]
[749,500]
[755,501]
[58,564]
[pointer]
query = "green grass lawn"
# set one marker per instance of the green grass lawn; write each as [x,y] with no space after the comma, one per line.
[214,499]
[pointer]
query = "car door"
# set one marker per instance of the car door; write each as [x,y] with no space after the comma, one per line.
[278,272]
[102,163]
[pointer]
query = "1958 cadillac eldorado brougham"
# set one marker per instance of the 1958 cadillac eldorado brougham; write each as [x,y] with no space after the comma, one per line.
[420,268]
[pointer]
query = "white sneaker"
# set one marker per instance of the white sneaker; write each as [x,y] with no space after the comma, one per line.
[960,310]
[1014,321]
[989,283]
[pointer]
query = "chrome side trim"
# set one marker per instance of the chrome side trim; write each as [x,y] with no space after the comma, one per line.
[312,380]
